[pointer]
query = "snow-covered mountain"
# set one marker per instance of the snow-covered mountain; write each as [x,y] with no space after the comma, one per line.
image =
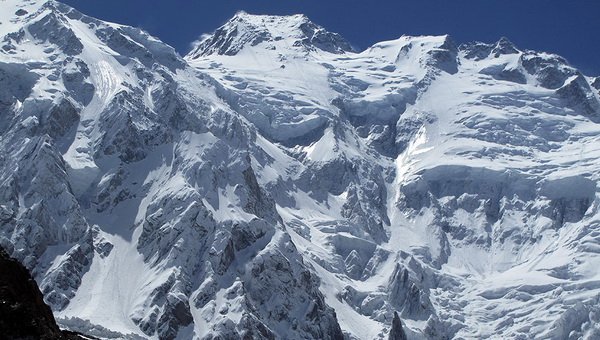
[277,183]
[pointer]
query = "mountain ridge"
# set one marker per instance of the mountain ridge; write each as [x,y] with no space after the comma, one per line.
[293,31]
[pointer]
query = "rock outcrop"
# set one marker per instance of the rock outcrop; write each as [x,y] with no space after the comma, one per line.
[23,313]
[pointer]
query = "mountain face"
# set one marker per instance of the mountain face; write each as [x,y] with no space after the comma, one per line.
[276,183]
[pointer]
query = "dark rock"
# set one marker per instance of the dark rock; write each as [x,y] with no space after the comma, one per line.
[578,95]
[277,277]
[445,57]
[596,83]
[221,42]
[550,71]
[23,313]
[258,202]
[52,29]
[504,46]
[330,42]
[476,50]
[227,257]
[75,77]
[61,283]
[17,82]
[408,293]
[397,332]
[252,328]
[61,118]
[502,72]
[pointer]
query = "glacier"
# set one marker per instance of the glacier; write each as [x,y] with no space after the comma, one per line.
[278,183]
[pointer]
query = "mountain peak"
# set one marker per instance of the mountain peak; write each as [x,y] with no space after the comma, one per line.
[271,32]
[243,15]
[504,46]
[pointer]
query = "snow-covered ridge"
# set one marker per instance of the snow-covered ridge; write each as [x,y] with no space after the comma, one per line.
[294,32]
[275,183]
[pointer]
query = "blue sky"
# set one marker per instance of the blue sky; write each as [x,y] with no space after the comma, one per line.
[570,28]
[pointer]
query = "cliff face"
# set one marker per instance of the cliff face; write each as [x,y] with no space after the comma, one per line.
[23,313]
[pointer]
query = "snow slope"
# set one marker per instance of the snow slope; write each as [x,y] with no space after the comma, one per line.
[276,183]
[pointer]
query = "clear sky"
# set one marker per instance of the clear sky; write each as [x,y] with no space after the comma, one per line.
[570,28]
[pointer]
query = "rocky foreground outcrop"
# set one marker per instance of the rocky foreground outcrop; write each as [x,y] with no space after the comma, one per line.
[23,313]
